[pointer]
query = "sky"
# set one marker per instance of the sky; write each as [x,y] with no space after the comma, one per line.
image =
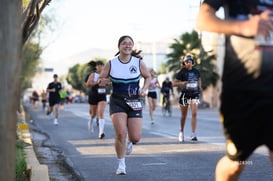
[80,25]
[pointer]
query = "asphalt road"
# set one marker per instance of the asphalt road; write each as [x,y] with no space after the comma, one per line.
[158,156]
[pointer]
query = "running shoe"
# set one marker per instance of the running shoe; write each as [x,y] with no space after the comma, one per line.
[129,148]
[121,171]
[55,121]
[152,121]
[101,136]
[90,126]
[194,138]
[181,137]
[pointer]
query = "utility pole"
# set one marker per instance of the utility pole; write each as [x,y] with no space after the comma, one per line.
[154,52]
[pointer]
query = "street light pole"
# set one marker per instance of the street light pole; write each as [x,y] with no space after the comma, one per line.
[154,52]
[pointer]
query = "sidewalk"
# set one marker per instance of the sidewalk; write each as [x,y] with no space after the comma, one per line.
[37,171]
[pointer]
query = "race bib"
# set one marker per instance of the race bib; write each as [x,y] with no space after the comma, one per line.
[101,90]
[191,85]
[134,104]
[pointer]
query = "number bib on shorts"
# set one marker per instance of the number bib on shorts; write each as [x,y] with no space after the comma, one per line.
[101,90]
[134,104]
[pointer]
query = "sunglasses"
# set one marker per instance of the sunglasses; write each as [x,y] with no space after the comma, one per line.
[188,61]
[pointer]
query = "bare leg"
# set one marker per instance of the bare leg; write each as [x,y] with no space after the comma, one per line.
[228,170]
[134,129]
[184,112]
[93,111]
[150,101]
[154,104]
[56,107]
[100,109]
[120,125]
[194,108]
[49,110]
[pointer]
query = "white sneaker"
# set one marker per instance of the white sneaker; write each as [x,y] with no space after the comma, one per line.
[121,171]
[181,137]
[121,167]
[101,136]
[129,148]
[55,121]
[90,126]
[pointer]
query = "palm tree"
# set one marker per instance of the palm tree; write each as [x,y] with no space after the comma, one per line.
[205,60]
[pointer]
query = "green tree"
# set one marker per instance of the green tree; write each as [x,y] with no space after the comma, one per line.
[32,49]
[73,79]
[76,76]
[32,10]
[205,60]
[31,54]
[83,73]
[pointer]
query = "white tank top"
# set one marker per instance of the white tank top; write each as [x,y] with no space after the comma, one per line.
[152,86]
[125,76]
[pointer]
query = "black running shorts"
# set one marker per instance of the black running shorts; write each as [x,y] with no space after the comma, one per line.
[95,98]
[247,122]
[152,95]
[118,104]
[187,98]
[54,101]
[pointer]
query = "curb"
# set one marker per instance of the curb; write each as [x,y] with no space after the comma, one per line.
[36,171]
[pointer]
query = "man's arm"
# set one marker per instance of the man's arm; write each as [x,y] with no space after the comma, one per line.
[49,88]
[258,24]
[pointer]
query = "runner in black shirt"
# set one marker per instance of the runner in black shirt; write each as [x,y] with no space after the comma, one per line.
[189,80]
[54,97]
[247,89]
